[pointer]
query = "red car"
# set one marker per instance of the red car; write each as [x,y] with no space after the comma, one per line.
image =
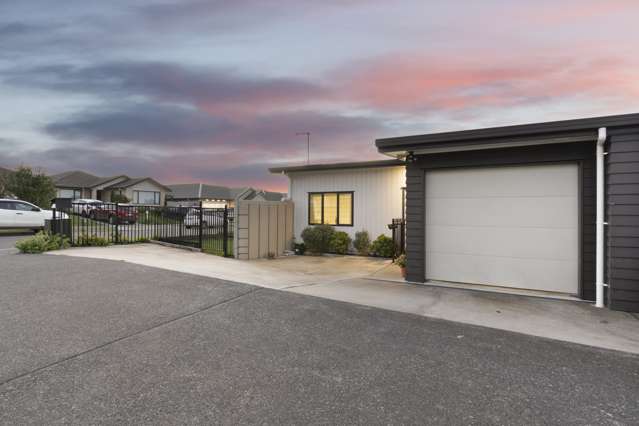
[109,213]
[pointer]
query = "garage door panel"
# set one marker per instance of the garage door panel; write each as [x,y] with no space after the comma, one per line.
[503,241]
[502,182]
[534,274]
[505,226]
[520,211]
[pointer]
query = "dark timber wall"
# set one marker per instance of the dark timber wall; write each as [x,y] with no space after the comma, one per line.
[622,193]
[579,152]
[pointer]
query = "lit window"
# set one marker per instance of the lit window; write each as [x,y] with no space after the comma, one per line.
[330,208]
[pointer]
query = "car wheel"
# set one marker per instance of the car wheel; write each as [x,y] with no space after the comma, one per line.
[92,215]
[113,220]
[204,224]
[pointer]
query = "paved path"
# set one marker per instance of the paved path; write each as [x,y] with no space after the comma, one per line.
[89,341]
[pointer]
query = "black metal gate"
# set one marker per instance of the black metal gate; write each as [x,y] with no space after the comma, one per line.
[87,224]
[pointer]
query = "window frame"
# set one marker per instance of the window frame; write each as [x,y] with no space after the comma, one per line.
[322,193]
[136,197]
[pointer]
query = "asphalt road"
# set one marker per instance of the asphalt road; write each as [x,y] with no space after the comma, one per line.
[9,239]
[88,341]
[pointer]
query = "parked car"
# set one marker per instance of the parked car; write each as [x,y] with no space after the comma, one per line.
[83,206]
[108,212]
[210,217]
[21,214]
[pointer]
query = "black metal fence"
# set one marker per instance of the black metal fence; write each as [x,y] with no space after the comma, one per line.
[89,224]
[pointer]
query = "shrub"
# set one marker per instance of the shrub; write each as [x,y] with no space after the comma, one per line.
[383,246]
[299,248]
[340,242]
[362,242]
[400,261]
[317,239]
[91,241]
[117,197]
[41,242]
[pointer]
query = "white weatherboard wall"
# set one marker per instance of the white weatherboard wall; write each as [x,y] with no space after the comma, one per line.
[377,197]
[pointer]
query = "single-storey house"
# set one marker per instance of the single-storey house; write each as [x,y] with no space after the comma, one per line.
[78,184]
[548,207]
[214,196]
[360,196]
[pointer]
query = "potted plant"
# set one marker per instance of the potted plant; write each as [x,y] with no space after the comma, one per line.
[401,262]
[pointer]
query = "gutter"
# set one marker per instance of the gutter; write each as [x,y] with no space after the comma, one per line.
[599,251]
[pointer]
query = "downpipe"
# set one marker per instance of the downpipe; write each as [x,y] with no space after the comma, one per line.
[599,250]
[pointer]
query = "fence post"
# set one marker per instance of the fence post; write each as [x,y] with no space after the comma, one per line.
[200,227]
[225,231]
[117,224]
[54,228]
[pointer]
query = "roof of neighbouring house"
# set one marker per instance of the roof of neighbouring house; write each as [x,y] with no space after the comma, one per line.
[194,191]
[584,128]
[134,181]
[76,179]
[252,194]
[80,179]
[337,166]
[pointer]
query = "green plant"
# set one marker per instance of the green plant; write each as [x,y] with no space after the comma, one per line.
[118,197]
[41,242]
[299,248]
[362,243]
[400,261]
[27,185]
[317,239]
[383,246]
[92,241]
[340,242]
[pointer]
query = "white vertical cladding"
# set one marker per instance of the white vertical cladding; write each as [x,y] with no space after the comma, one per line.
[377,196]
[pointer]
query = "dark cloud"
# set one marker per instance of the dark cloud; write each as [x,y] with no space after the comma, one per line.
[140,123]
[170,127]
[205,87]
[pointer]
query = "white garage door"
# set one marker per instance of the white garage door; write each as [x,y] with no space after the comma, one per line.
[504,226]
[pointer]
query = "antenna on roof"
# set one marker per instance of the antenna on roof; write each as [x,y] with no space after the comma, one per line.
[308,145]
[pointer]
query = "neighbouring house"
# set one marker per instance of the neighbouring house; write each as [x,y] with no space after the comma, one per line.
[549,206]
[191,194]
[78,184]
[352,196]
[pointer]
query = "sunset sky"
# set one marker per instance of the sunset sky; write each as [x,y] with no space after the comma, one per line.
[214,91]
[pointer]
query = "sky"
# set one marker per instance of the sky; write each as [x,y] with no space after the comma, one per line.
[215,91]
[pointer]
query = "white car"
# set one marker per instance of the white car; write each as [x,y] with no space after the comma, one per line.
[20,214]
[84,206]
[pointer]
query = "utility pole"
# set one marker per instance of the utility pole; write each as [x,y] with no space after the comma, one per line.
[308,145]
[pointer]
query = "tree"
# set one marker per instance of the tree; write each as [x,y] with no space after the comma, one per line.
[3,185]
[36,188]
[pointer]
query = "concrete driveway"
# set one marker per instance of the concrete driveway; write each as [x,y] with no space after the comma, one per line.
[86,341]
[373,282]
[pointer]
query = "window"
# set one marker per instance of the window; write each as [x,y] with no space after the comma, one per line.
[330,208]
[70,193]
[146,197]
[6,205]
[24,207]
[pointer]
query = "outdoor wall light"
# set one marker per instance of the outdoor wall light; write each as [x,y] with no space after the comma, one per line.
[410,158]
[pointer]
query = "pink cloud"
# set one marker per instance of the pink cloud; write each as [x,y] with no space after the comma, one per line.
[412,83]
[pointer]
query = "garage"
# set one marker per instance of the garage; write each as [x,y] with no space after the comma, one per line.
[504,226]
